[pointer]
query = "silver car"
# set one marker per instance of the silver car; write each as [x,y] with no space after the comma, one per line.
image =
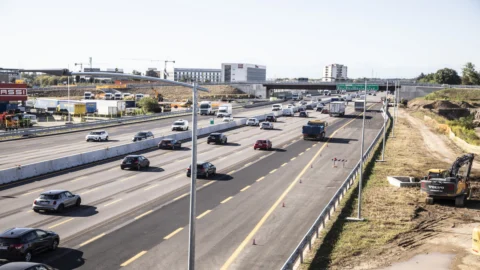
[56,200]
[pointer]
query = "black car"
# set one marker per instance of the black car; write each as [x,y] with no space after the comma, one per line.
[135,162]
[169,144]
[309,106]
[271,118]
[303,114]
[143,136]
[217,138]
[25,266]
[301,109]
[22,243]
[204,169]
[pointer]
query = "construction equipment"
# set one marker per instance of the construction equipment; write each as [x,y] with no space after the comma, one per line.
[158,96]
[450,184]
[9,121]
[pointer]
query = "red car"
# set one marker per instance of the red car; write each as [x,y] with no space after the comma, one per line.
[263,144]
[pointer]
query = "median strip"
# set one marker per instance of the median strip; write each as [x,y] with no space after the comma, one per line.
[140,254]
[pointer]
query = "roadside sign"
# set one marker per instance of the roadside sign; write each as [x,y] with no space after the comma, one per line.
[357,87]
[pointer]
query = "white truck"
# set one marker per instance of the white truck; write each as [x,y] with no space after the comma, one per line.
[288,111]
[108,96]
[88,95]
[117,96]
[297,96]
[207,108]
[225,110]
[359,105]
[107,107]
[337,108]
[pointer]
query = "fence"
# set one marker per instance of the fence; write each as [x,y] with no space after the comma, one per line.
[297,257]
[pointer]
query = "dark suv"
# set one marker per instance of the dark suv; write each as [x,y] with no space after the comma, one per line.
[142,136]
[271,118]
[217,138]
[204,169]
[22,243]
[135,162]
[169,144]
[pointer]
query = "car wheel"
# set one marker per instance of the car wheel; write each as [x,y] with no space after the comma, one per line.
[148,165]
[254,148]
[78,202]
[54,245]
[122,168]
[60,208]
[28,256]
[138,167]
[88,140]
[187,128]
[173,129]
[106,138]
[36,210]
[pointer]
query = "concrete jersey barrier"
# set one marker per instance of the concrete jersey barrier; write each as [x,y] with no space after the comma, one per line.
[21,172]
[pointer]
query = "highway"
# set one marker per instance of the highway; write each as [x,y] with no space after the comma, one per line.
[38,149]
[139,220]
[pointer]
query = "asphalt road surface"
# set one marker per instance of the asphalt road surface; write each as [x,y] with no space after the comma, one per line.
[139,219]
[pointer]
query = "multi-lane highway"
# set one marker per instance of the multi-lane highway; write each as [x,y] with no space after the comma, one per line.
[139,219]
[38,149]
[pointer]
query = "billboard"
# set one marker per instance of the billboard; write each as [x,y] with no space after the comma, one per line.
[12,93]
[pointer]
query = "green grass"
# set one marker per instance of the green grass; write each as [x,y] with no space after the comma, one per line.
[453,94]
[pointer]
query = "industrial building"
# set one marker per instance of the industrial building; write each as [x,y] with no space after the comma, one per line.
[197,74]
[242,72]
[12,94]
[334,72]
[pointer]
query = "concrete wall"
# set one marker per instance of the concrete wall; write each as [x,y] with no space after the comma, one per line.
[411,92]
[252,89]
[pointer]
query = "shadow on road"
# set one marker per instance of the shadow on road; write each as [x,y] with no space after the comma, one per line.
[222,177]
[105,141]
[232,144]
[63,259]
[279,150]
[352,116]
[341,140]
[81,211]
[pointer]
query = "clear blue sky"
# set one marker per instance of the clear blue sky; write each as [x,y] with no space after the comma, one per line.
[292,38]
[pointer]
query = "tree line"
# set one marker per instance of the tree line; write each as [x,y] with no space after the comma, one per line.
[450,76]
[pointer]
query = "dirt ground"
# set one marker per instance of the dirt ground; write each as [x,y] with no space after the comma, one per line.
[439,229]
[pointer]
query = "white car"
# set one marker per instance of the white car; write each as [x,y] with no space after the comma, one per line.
[253,122]
[180,125]
[97,136]
[227,119]
[266,125]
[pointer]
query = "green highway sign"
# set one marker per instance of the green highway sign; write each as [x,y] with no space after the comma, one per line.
[357,86]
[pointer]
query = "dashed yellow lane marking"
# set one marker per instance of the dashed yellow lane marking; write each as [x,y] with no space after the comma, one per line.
[284,164]
[140,254]
[144,214]
[260,179]
[173,233]
[110,203]
[150,187]
[204,214]
[293,158]
[181,196]
[227,199]
[60,223]
[272,171]
[92,239]
[245,188]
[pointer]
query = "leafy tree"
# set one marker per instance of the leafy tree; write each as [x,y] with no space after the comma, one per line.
[91,79]
[421,76]
[148,104]
[447,76]
[469,75]
[429,78]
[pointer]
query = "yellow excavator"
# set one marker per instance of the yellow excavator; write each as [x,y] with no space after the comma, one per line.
[450,184]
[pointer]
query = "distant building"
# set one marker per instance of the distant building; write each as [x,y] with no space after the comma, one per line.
[197,74]
[334,72]
[238,72]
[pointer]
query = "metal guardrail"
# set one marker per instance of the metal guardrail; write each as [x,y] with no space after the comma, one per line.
[305,245]
[30,131]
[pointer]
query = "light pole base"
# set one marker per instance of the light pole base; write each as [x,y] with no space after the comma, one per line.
[355,219]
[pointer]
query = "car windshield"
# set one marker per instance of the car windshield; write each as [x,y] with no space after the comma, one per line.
[49,196]
[251,120]
[179,123]
[130,159]
[261,141]
[167,142]
[214,135]
[266,124]
[95,133]
[141,134]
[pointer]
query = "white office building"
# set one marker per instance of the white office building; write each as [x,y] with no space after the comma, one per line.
[334,72]
[197,74]
[242,72]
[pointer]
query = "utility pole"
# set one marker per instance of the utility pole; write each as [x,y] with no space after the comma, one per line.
[385,107]
[193,182]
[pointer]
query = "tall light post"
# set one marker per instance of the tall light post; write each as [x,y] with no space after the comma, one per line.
[394,109]
[68,90]
[360,180]
[385,107]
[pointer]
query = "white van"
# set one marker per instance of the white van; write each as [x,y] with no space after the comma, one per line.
[288,111]
[180,125]
[277,107]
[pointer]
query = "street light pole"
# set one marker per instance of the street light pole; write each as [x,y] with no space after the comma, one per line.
[394,109]
[193,189]
[68,90]
[385,107]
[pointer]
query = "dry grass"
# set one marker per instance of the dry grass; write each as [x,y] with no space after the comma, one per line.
[455,95]
[389,211]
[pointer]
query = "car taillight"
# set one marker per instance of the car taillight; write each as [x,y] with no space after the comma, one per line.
[35,202]
[54,202]
[17,246]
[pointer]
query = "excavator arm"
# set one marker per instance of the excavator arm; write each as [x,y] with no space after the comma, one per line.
[466,159]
